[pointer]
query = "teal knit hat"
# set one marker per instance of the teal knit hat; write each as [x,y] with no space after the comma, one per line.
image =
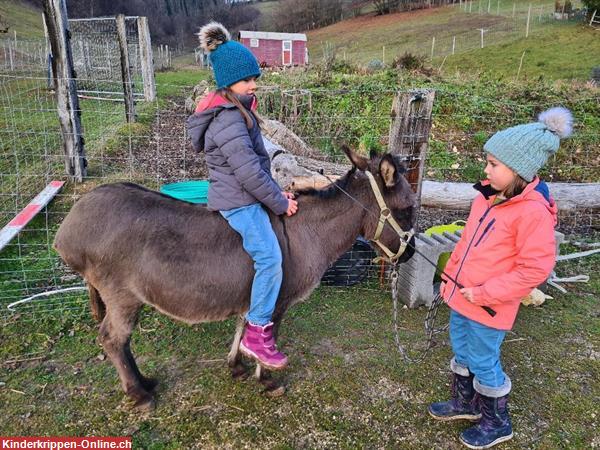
[526,148]
[230,60]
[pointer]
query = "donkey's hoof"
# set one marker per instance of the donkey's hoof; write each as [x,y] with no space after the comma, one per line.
[239,372]
[145,404]
[149,384]
[273,388]
[274,392]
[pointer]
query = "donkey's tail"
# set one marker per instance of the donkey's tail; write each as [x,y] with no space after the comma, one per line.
[96,304]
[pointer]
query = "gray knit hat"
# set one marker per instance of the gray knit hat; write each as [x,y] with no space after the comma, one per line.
[526,148]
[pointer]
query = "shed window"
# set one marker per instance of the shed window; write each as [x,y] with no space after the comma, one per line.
[287,45]
[253,42]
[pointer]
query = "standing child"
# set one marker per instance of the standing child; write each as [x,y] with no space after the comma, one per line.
[226,128]
[507,248]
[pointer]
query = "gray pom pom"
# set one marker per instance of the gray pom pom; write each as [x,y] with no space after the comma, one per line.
[558,120]
[212,35]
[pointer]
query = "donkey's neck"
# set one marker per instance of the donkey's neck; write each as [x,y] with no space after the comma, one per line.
[329,226]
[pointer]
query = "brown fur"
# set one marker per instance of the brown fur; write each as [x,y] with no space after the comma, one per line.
[135,246]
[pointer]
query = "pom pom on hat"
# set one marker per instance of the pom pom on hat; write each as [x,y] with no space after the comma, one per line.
[558,120]
[212,35]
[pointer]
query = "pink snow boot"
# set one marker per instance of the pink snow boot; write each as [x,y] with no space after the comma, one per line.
[258,343]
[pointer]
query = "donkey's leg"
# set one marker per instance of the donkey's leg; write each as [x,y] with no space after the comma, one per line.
[115,335]
[147,383]
[238,370]
[273,387]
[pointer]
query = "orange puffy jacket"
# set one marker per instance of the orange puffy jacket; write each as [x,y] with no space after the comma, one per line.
[505,251]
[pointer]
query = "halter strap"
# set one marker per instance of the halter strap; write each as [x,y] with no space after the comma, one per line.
[385,215]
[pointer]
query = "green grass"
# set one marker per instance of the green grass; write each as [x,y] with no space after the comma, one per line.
[347,385]
[22,18]
[557,51]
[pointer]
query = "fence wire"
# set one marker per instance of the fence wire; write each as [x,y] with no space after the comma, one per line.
[156,150]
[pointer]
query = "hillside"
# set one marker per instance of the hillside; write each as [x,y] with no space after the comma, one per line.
[554,48]
[22,18]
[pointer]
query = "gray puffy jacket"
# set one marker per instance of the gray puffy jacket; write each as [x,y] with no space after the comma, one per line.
[239,167]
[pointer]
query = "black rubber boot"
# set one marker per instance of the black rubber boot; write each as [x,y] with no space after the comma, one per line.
[462,405]
[494,427]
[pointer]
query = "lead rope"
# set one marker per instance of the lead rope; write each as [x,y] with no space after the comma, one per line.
[431,312]
[430,319]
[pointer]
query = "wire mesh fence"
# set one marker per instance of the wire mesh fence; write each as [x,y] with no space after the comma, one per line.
[96,53]
[155,150]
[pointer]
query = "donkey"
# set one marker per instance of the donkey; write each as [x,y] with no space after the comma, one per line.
[136,247]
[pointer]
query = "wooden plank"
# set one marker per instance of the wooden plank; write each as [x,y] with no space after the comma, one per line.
[147,61]
[409,133]
[65,85]
[29,212]
[125,70]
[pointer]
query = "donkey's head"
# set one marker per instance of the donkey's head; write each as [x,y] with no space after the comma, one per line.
[387,171]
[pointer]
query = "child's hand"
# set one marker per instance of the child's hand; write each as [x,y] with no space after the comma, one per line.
[467,294]
[292,206]
[289,195]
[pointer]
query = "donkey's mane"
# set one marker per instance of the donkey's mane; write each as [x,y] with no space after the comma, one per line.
[341,184]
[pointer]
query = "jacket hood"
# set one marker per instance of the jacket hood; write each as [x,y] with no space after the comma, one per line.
[207,110]
[537,191]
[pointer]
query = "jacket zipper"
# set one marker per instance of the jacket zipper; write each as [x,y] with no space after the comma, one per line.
[486,229]
[481,219]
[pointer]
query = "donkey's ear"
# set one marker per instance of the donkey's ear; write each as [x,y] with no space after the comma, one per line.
[360,162]
[389,170]
[372,153]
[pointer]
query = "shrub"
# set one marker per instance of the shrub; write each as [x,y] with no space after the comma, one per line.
[375,65]
[409,61]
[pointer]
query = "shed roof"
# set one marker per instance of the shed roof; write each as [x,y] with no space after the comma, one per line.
[274,36]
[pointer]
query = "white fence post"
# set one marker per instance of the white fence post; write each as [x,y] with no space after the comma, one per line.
[453,44]
[432,47]
[528,17]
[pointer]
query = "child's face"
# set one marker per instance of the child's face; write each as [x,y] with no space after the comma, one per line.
[244,87]
[500,175]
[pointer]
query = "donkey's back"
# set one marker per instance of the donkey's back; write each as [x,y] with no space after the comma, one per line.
[126,240]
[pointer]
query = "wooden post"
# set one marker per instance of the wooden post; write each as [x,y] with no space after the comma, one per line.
[489,6]
[147,60]
[432,47]
[383,55]
[520,65]
[528,17]
[10,56]
[514,9]
[125,70]
[65,86]
[409,133]
[453,44]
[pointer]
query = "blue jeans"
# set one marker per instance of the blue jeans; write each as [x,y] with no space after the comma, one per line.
[259,241]
[476,349]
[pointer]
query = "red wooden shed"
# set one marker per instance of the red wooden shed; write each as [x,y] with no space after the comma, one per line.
[276,49]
